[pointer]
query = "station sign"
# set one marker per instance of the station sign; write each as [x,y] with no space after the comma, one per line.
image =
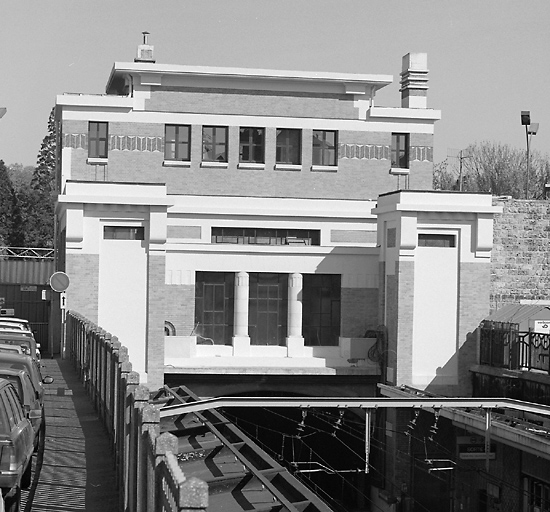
[473,448]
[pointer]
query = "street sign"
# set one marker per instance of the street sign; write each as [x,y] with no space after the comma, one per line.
[63,300]
[59,281]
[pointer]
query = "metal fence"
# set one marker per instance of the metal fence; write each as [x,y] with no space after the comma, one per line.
[503,346]
[148,476]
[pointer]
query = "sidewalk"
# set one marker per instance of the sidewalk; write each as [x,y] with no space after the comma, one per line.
[75,471]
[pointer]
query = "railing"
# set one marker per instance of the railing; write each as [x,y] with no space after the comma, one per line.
[27,253]
[503,346]
[148,475]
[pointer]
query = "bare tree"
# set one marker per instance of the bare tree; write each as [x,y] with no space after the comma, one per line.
[497,169]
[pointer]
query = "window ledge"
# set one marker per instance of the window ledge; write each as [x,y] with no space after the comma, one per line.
[324,168]
[253,166]
[288,167]
[176,163]
[399,171]
[218,165]
[97,161]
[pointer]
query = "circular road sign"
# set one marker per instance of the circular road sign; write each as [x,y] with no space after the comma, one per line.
[59,281]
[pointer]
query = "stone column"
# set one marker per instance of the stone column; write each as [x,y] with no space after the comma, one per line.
[241,339]
[295,340]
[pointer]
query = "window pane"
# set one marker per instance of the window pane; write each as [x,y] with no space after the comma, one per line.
[288,146]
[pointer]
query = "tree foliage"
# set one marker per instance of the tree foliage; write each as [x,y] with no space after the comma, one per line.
[8,208]
[27,198]
[496,169]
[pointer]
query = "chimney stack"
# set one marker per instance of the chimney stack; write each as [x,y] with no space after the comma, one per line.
[145,51]
[414,81]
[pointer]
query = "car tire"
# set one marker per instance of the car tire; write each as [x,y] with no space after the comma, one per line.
[12,501]
[26,479]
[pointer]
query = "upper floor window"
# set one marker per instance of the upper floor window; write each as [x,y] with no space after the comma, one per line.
[251,145]
[177,142]
[98,137]
[400,150]
[123,233]
[289,146]
[324,147]
[265,236]
[214,143]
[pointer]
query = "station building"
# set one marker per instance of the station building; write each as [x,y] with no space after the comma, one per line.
[253,231]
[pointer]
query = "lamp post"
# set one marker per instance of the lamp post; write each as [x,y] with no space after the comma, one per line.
[530,130]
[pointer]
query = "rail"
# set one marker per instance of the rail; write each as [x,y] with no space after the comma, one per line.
[502,345]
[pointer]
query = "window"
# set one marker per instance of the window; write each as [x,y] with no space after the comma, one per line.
[436,240]
[263,236]
[324,147]
[214,143]
[400,150]
[98,136]
[321,309]
[177,142]
[214,292]
[251,145]
[123,233]
[289,147]
[268,309]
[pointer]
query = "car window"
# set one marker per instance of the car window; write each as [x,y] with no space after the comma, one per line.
[16,405]
[9,410]
[14,379]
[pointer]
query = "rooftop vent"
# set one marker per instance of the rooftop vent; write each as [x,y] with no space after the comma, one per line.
[145,50]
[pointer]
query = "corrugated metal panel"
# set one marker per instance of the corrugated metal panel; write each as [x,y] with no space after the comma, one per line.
[18,271]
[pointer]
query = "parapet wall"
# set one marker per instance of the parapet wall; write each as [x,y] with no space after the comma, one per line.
[520,267]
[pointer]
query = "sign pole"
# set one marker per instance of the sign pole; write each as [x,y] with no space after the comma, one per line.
[59,282]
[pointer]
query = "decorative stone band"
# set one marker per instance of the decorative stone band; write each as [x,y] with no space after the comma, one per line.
[116,142]
[376,152]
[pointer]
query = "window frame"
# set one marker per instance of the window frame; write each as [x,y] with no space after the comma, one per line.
[95,139]
[176,144]
[287,146]
[214,142]
[324,150]
[251,145]
[400,150]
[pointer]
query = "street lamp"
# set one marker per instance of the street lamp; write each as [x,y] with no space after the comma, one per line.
[530,130]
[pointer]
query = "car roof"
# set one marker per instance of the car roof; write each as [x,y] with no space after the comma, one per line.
[15,334]
[6,357]
[12,318]
[19,372]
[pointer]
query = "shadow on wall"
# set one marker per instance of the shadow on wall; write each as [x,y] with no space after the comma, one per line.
[459,365]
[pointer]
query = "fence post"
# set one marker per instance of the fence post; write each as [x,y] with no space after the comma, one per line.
[129,384]
[150,429]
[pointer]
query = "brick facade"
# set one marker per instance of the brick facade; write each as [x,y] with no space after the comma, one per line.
[84,298]
[521,252]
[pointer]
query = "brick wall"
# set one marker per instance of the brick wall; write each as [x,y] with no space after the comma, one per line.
[520,266]
[252,103]
[83,298]
[180,308]
[155,320]
[359,311]
[363,170]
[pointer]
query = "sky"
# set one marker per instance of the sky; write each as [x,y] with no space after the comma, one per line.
[487,59]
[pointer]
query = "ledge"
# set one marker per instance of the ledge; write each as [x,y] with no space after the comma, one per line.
[324,168]
[288,167]
[215,165]
[176,163]
[97,161]
[251,166]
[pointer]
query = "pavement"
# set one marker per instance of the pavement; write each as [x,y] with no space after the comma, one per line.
[74,469]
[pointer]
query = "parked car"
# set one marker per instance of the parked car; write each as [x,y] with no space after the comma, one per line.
[16,447]
[30,365]
[24,339]
[30,398]
[19,323]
